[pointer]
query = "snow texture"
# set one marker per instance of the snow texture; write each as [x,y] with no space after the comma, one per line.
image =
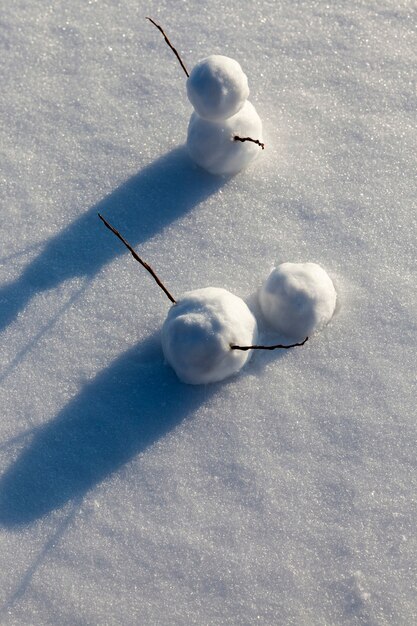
[199,331]
[212,145]
[297,299]
[217,87]
[285,494]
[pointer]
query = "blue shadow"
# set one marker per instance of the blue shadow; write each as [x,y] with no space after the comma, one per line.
[126,408]
[130,405]
[140,208]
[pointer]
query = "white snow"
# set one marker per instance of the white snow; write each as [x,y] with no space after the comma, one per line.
[212,145]
[199,331]
[285,494]
[217,87]
[297,299]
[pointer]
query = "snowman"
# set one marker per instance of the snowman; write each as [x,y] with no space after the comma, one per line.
[221,128]
[209,334]
[225,131]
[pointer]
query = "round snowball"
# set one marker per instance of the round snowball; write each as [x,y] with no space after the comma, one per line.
[199,330]
[297,299]
[212,146]
[217,87]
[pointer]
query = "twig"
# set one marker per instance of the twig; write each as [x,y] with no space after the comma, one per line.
[242,139]
[170,45]
[293,345]
[137,258]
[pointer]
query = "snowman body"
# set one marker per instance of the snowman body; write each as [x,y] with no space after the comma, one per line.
[200,329]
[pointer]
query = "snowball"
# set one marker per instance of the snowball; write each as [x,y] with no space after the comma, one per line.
[298,298]
[212,146]
[199,330]
[217,87]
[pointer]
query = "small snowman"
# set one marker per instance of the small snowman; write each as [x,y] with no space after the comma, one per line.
[225,131]
[209,334]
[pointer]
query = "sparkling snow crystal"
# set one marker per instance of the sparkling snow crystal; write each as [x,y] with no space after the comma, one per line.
[199,330]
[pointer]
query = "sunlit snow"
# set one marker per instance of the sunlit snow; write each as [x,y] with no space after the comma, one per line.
[286,493]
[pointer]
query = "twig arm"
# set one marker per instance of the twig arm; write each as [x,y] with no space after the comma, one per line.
[170,45]
[277,346]
[137,258]
[242,139]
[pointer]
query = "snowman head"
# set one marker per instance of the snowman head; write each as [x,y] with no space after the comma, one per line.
[217,87]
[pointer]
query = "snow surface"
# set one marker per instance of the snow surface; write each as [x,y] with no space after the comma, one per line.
[297,299]
[217,87]
[212,145]
[286,494]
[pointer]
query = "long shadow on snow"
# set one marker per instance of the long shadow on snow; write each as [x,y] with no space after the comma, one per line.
[141,207]
[127,407]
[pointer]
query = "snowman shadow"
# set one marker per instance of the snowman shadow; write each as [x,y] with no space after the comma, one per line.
[129,406]
[150,200]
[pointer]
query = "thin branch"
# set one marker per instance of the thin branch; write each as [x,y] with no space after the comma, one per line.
[137,258]
[242,139]
[293,345]
[170,45]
